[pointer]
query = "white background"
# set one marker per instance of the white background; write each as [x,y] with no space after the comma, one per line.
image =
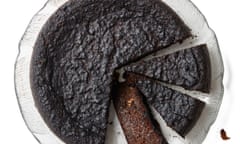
[223,17]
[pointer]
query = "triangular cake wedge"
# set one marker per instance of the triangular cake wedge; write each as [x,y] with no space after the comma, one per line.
[189,68]
[178,110]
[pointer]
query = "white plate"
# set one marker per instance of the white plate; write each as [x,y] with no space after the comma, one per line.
[190,15]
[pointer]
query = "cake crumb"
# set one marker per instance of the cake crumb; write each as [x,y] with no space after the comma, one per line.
[224,135]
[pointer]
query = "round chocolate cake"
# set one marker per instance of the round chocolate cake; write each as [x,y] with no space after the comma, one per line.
[131,53]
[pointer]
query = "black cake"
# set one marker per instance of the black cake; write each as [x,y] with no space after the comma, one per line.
[82,44]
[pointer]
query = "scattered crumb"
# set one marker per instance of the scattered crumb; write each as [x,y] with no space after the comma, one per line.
[224,135]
